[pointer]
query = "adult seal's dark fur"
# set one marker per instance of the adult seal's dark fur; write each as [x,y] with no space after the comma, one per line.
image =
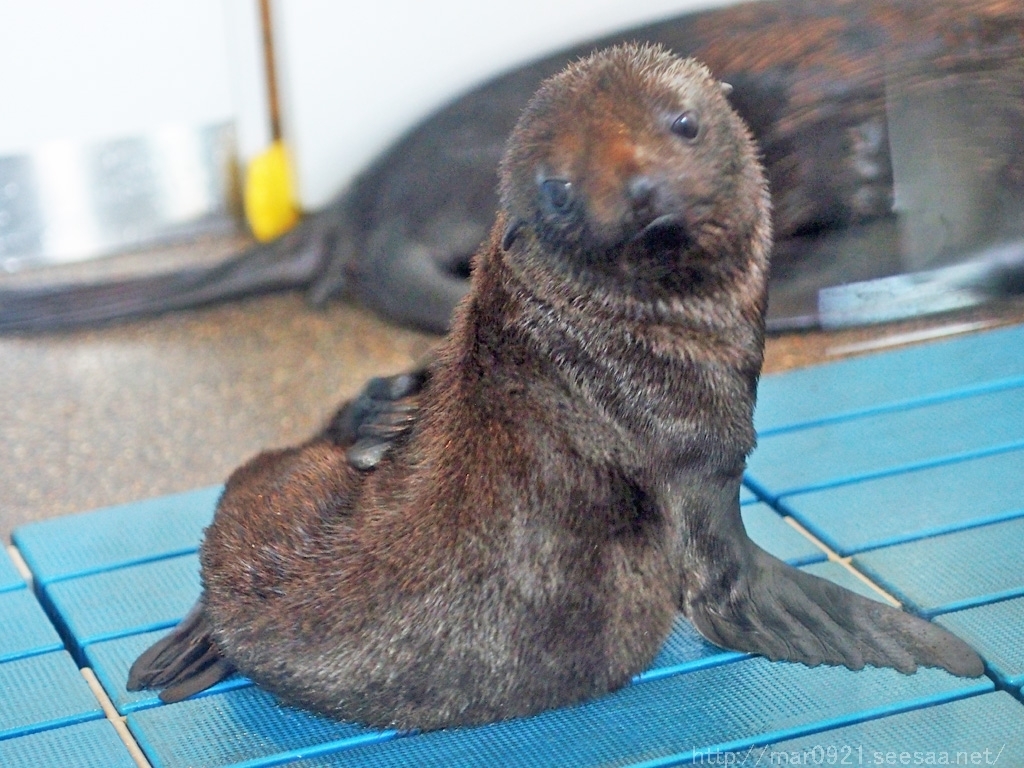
[571,477]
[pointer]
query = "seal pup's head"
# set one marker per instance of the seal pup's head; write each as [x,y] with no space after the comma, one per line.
[631,171]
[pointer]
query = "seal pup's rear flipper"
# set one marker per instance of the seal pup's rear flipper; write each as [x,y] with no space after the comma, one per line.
[384,410]
[183,663]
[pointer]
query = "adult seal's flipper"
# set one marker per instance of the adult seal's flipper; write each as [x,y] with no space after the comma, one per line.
[183,663]
[410,282]
[313,256]
[745,599]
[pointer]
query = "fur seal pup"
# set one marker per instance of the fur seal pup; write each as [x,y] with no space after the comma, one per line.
[571,478]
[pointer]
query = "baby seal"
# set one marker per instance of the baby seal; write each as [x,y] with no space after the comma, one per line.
[571,477]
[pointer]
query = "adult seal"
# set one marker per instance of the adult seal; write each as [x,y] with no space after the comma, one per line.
[571,477]
[813,81]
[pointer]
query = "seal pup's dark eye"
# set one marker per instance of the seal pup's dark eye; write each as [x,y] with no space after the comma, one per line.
[557,194]
[687,125]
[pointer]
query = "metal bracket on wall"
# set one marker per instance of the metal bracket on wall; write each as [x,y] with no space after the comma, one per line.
[65,201]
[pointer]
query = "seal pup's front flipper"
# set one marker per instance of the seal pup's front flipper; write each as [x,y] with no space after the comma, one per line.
[740,597]
[183,663]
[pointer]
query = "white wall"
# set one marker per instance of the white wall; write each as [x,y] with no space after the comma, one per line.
[116,126]
[104,69]
[353,75]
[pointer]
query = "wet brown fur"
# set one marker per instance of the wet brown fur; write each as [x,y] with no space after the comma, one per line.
[571,477]
[511,553]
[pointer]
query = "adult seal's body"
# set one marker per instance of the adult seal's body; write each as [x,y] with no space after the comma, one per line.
[571,477]
[811,80]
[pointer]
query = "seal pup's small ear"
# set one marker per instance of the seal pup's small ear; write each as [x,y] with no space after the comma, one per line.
[726,88]
[510,234]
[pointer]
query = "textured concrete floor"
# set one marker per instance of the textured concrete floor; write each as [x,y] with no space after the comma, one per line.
[115,414]
[105,416]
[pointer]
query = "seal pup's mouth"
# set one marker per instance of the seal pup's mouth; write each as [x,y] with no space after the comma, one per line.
[665,233]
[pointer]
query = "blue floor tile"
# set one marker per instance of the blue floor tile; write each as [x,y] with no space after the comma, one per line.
[996,631]
[905,444]
[668,721]
[24,628]
[111,660]
[42,692]
[876,445]
[913,505]
[981,730]
[890,380]
[127,600]
[93,744]
[116,536]
[772,533]
[842,576]
[245,724]
[9,576]
[953,571]
[684,651]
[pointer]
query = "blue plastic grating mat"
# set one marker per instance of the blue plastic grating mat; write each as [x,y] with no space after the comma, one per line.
[895,380]
[766,527]
[875,474]
[984,730]
[952,571]
[237,726]
[77,545]
[43,692]
[923,503]
[123,601]
[995,630]
[667,721]
[685,651]
[93,744]
[9,576]
[876,445]
[27,631]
